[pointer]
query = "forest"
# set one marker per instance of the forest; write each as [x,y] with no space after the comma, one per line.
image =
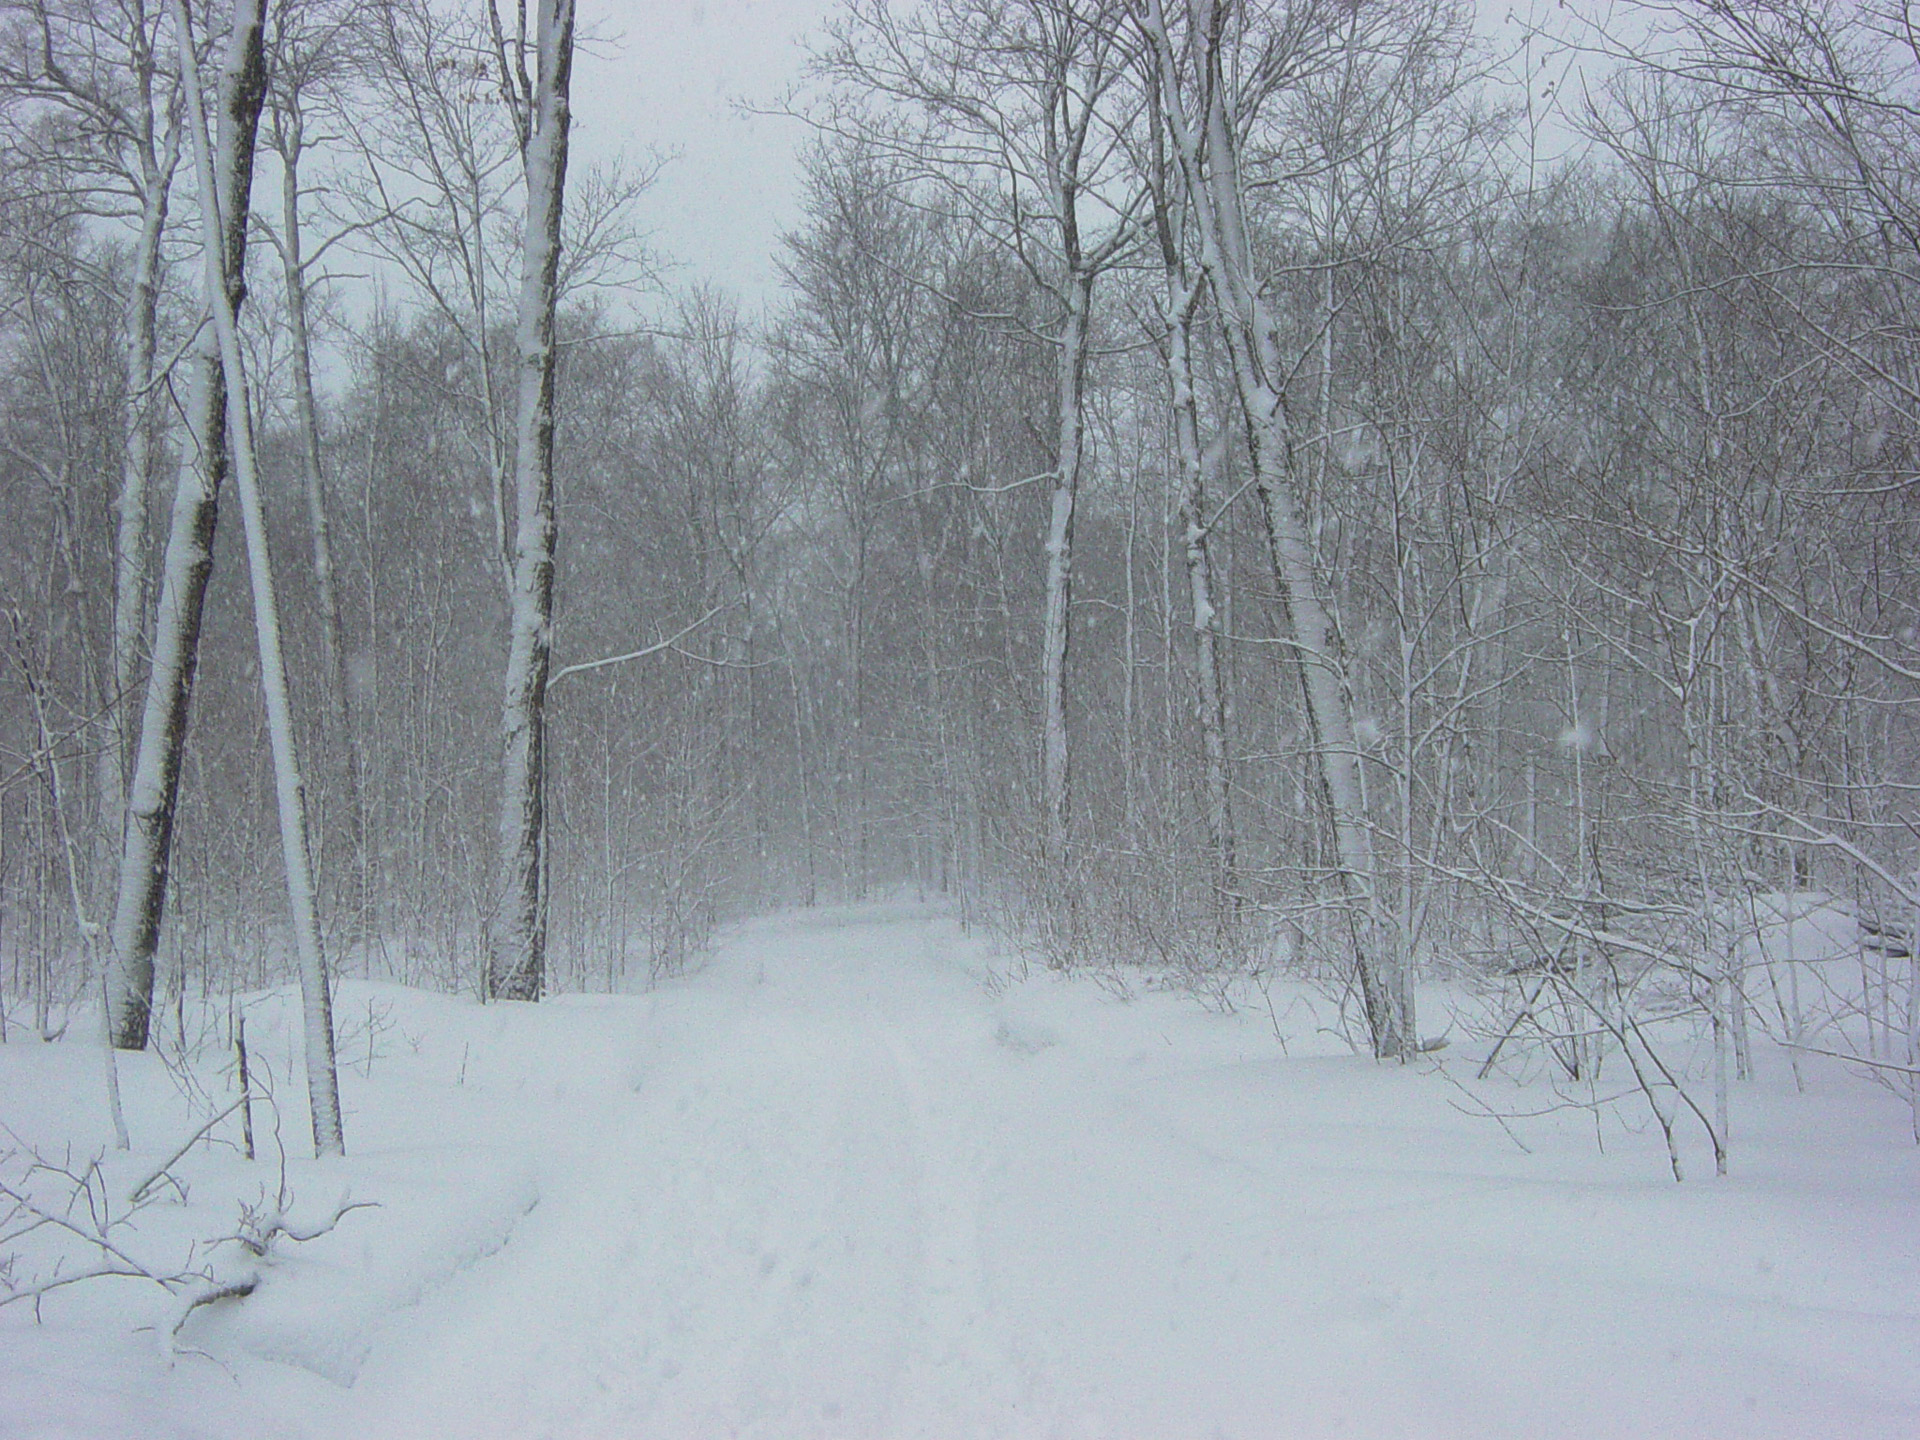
[1226,489]
[1284,595]
[1210,495]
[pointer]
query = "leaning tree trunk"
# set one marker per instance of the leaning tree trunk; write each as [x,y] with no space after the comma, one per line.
[154,787]
[140,410]
[517,930]
[1180,310]
[1205,147]
[323,1089]
[1211,694]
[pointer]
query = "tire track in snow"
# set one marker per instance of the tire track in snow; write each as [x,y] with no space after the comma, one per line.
[963,1377]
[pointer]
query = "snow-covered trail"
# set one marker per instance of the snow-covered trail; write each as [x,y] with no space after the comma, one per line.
[766,1230]
[834,1187]
[843,1183]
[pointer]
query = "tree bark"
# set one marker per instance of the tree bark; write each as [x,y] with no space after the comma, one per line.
[1176,353]
[153,789]
[1056,634]
[517,931]
[1206,148]
[139,342]
[245,40]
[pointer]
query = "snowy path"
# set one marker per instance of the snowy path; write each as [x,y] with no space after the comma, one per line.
[854,1195]
[834,1186]
[778,1234]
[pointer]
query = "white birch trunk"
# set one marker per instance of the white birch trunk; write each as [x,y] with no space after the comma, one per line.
[1206,149]
[1211,697]
[140,407]
[154,785]
[516,936]
[247,60]
[1056,628]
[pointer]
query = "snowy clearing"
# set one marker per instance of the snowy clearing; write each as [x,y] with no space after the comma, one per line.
[855,1179]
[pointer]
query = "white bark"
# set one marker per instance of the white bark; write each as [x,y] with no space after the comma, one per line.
[153,787]
[245,57]
[1207,151]
[1056,628]
[516,936]
[101,65]
[1176,347]
[139,344]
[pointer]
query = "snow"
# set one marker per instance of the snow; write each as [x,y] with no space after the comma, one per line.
[859,1176]
[1577,736]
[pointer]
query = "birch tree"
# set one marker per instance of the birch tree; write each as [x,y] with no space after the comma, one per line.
[539,101]
[246,56]
[103,71]
[1179,314]
[154,787]
[1206,125]
[313,48]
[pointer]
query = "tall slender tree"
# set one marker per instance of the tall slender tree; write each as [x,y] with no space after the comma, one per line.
[154,787]
[1206,119]
[539,101]
[102,72]
[313,49]
[1020,111]
[323,1088]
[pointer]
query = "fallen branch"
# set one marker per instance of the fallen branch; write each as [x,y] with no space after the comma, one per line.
[84,1217]
[159,1172]
[1852,1059]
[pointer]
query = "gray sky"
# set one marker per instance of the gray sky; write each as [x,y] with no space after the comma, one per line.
[666,73]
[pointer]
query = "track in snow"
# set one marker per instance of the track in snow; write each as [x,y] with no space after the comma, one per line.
[834,1185]
[846,1192]
[774,1230]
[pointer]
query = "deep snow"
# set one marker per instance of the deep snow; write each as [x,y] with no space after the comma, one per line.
[855,1179]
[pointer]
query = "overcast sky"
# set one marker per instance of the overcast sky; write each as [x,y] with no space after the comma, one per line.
[666,73]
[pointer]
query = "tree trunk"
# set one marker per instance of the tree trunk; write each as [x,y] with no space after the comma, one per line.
[139,344]
[1209,162]
[1211,695]
[290,141]
[233,167]
[1056,634]
[153,789]
[516,938]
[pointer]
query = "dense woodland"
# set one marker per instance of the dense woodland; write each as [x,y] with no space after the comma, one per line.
[1225,485]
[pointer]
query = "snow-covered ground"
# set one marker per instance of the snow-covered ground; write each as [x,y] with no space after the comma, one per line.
[853,1179]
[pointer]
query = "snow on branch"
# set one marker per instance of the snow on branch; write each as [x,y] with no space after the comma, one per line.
[62,1225]
[654,649]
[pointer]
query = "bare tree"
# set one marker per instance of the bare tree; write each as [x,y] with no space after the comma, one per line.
[1206,124]
[314,49]
[246,41]
[540,104]
[1179,317]
[188,564]
[101,72]
[1019,114]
